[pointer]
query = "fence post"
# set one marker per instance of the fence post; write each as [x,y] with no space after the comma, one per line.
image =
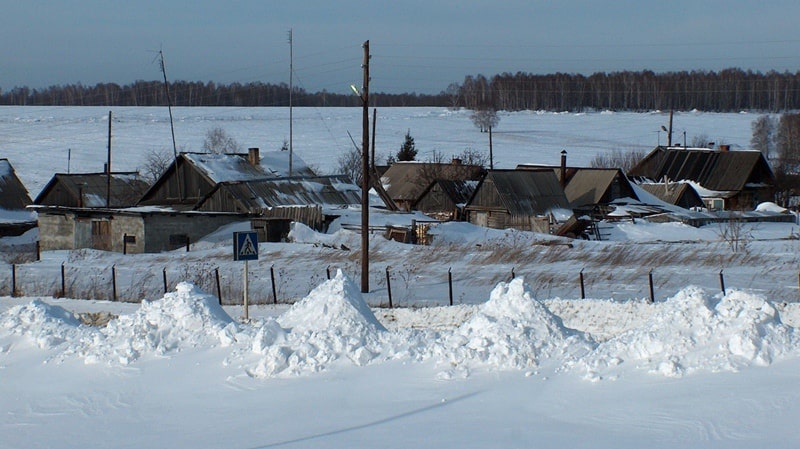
[450,283]
[13,280]
[389,286]
[188,242]
[165,279]
[513,275]
[114,282]
[583,290]
[722,282]
[63,281]
[38,250]
[124,244]
[328,272]
[219,291]
[650,278]
[274,291]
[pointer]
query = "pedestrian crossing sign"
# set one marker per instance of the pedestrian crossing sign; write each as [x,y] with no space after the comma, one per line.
[245,245]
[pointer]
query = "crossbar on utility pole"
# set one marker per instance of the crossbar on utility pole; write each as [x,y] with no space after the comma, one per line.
[365,175]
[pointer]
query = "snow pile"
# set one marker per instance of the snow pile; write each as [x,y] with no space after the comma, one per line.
[691,332]
[332,323]
[48,326]
[186,318]
[511,331]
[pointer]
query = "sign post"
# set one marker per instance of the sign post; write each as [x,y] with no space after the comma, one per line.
[245,247]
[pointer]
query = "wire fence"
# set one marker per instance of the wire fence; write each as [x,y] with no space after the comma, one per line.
[406,285]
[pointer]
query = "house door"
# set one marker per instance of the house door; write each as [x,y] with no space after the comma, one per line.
[101,235]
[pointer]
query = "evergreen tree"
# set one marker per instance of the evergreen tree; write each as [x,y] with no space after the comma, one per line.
[408,151]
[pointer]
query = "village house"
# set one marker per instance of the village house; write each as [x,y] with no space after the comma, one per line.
[405,182]
[528,200]
[192,176]
[445,200]
[724,179]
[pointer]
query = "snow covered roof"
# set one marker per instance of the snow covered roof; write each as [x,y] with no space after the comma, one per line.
[253,195]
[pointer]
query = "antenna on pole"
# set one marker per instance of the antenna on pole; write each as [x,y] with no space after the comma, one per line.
[171,124]
[291,88]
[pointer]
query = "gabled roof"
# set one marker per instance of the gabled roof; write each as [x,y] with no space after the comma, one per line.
[237,167]
[459,192]
[255,195]
[214,168]
[590,185]
[712,169]
[91,190]
[13,195]
[524,192]
[406,181]
[677,193]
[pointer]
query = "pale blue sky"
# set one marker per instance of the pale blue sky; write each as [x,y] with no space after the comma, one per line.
[416,46]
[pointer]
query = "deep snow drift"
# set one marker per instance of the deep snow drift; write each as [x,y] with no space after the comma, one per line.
[512,331]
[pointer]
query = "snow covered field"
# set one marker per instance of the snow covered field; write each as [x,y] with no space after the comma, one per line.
[514,363]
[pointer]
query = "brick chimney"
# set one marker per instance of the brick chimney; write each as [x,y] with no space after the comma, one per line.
[724,148]
[456,161]
[252,156]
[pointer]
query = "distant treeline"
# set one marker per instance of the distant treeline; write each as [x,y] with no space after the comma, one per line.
[725,91]
[196,93]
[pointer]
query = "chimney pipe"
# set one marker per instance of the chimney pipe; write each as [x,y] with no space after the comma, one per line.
[252,156]
[563,168]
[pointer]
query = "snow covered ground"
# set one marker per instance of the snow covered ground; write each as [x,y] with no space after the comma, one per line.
[515,363]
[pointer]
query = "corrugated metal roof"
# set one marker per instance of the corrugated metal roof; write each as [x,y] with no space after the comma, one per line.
[714,170]
[458,191]
[331,191]
[528,192]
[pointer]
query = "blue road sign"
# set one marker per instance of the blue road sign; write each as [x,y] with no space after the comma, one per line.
[245,245]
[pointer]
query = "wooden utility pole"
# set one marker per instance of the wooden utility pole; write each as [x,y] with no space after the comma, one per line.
[291,88]
[365,175]
[491,156]
[108,165]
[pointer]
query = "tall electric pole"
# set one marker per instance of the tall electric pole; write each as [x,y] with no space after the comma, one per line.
[291,79]
[108,165]
[365,174]
[171,124]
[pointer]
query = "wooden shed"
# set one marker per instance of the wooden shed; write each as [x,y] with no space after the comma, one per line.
[445,200]
[520,199]
[405,182]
